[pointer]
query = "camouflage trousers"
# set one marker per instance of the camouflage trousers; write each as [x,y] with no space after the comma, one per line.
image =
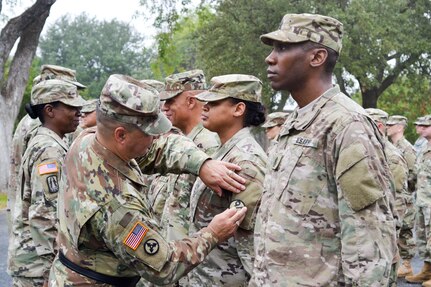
[393,277]
[423,236]
[18,281]
[406,241]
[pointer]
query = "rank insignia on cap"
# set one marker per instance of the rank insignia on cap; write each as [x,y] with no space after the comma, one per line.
[151,246]
[135,236]
[45,168]
[236,204]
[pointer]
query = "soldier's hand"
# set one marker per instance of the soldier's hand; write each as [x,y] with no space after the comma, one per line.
[219,175]
[226,223]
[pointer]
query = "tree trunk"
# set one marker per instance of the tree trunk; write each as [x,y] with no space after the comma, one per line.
[369,98]
[27,27]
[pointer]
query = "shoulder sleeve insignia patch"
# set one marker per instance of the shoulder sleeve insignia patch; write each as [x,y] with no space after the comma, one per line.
[45,168]
[135,236]
[52,183]
[151,246]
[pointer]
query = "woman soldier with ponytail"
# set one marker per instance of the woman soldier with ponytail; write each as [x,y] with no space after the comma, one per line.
[32,244]
[233,105]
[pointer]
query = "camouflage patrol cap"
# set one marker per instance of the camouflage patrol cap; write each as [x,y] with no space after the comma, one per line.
[423,121]
[129,101]
[175,84]
[89,106]
[377,115]
[159,86]
[296,28]
[238,86]
[50,91]
[397,120]
[49,72]
[275,119]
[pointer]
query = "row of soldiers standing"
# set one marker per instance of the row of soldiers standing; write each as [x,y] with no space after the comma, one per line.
[321,210]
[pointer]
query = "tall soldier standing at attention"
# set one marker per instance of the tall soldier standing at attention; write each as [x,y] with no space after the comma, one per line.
[325,217]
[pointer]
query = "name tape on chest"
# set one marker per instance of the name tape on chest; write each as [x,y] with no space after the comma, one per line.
[305,142]
[46,168]
[135,236]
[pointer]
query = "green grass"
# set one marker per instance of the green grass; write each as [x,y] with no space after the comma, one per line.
[3,200]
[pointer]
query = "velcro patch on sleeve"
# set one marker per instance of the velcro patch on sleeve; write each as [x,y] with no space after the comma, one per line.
[46,168]
[135,236]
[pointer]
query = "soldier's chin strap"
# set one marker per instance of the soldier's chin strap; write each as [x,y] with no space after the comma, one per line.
[111,280]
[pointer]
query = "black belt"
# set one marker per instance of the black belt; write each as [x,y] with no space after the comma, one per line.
[112,280]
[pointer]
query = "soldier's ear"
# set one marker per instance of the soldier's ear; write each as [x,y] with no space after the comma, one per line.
[318,57]
[120,135]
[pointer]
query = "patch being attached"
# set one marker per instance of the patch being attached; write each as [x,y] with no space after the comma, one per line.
[238,204]
[45,168]
[135,236]
[52,183]
[151,246]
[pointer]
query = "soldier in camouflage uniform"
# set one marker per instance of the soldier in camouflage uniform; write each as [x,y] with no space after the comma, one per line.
[421,142]
[233,105]
[26,127]
[325,217]
[272,127]
[423,205]
[406,243]
[108,235]
[88,118]
[32,249]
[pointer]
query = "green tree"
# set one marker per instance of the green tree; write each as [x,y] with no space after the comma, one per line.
[95,49]
[383,39]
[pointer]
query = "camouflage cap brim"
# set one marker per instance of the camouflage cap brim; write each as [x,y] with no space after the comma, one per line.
[157,127]
[210,96]
[269,125]
[283,37]
[76,102]
[166,95]
[78,85]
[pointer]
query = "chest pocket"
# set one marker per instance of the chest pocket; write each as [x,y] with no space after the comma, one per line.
[301,175]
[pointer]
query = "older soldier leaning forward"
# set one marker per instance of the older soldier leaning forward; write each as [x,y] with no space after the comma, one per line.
[325,217]
[107,232]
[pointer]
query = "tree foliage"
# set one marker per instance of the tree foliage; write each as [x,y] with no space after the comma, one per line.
[383,39]
[95,49]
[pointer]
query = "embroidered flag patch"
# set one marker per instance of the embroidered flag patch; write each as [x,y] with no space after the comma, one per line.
[135,236]
[45,168]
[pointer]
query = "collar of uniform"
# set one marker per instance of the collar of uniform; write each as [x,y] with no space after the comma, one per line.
[195,131]
[45,131]
[128,169]
[224,149]
[303,122]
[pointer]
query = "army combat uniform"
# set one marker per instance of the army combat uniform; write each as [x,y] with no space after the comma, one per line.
[32,243]
[325,219]
[107,233]
[231,263]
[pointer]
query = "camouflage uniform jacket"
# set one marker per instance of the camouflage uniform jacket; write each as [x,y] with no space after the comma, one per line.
[399,171]
[34,229]
[24,131]
[423,167]
[407,150]
[106,224]
[231,263]
[176,213]
[325,218]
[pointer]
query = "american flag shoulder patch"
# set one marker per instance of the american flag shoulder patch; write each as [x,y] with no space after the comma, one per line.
[135,236]
[45,168]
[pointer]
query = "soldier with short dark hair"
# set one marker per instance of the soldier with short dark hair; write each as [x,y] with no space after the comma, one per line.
[325,217]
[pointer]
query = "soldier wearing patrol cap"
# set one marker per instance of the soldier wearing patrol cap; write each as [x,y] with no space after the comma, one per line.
[395,127]
[232,105]
[107,232]
[27,126]
[325,217]
[399,171]
[421,142]
[273,124]
[423,205]
[32,249]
